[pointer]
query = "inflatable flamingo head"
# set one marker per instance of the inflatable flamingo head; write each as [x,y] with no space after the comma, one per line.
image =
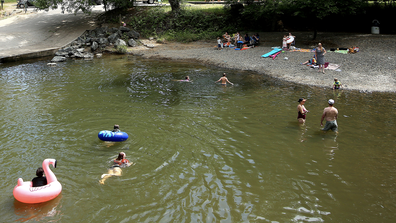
[48,173]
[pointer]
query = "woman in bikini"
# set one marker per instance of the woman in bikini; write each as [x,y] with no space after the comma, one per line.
[302,111]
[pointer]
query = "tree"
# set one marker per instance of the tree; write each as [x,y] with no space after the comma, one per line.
[316,10]
[175,5]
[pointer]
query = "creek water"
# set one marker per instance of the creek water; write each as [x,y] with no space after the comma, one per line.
[202,152]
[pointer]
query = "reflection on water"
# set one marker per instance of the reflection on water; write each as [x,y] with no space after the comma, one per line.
[37,212]
[203,152]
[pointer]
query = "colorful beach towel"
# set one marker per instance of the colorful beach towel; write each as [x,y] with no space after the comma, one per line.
[332,66]
[342,51]
[303,50]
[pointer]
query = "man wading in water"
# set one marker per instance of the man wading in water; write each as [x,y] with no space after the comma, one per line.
[224,80]
[330,114]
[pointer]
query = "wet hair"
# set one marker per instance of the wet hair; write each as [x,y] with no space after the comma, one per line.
[39,172]
[121,156]
[116,126]
[187,77]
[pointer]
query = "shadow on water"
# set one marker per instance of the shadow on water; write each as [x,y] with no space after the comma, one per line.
[202,151]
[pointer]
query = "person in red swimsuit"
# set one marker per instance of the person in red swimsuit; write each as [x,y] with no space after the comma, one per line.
[116,170]
[302,111]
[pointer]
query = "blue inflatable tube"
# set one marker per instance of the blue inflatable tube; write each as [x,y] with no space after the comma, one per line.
[106,135]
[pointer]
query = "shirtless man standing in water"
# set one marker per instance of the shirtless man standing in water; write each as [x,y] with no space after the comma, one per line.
[330,114]
[224,80]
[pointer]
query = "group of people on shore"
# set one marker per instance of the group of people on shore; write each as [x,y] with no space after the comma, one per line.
[237,38]
[330,114]
[287,41]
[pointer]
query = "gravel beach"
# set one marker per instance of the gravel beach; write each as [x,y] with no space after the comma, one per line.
[373,68]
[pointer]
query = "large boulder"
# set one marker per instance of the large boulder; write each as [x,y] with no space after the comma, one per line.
[88,56]
[78,54]
[103,41]
[94,46]
[133,34]
[61,53]
[124,29]
[113,37]
[119,42]
[132,43]
[113,30]
[58,59]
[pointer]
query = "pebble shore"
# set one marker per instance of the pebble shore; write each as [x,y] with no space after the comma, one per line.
[373,68]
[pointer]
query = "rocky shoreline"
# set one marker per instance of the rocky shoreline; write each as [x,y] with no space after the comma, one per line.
[373,68]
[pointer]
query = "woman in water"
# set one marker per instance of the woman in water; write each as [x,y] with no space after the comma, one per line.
[116,170]
[302,111]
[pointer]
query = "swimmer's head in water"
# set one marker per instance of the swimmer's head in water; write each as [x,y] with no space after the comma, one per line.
[187,77]
[121,156]
[116,126]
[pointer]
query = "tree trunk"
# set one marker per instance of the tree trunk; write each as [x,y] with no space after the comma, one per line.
[175,5]
[315,33]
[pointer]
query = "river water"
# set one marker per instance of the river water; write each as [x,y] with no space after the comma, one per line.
[202,152]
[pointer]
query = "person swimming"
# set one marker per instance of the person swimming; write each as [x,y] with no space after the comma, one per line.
[116,170]
[186,79]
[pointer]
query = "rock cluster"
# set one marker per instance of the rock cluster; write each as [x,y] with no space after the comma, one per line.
[95,41]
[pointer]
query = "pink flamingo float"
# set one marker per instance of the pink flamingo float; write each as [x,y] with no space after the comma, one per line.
[25,193]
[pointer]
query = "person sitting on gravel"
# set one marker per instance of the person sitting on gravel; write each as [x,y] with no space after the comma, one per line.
[256,39]
[227,37]
[236,37]
[310,62]
[247,39]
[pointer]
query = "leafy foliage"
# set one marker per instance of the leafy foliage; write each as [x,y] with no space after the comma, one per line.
[186,25]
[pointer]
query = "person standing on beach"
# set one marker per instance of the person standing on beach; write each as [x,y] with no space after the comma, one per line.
[319,53]
[302,111]
[224,80]
[219,44]
[330,114]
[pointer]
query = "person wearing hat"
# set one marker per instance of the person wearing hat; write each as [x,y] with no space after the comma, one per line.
[330,114]
[116,170]
[302,111]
